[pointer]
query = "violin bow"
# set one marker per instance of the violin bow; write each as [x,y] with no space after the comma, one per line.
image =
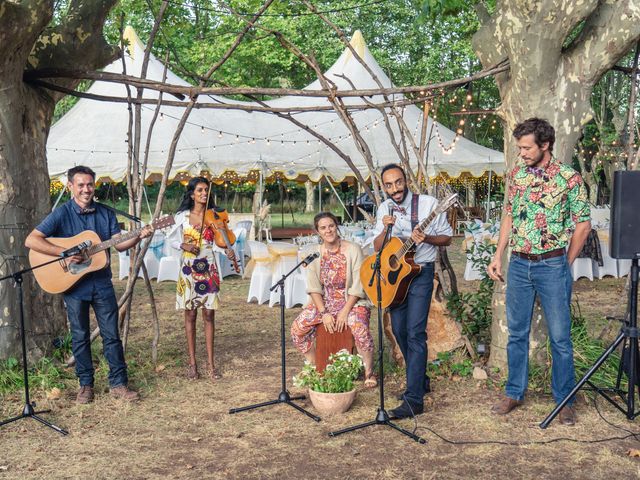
[204,212]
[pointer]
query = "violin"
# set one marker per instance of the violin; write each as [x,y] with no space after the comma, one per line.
[223,237]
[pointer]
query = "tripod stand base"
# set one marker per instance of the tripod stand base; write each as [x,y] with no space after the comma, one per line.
[382,418]
[29,412]
[284,397]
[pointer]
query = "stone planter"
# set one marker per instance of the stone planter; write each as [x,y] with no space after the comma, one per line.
[332,403]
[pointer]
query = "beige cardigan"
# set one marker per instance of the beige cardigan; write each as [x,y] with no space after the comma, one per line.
[354,255]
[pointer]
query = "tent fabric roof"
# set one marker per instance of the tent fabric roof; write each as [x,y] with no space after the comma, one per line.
[217,140]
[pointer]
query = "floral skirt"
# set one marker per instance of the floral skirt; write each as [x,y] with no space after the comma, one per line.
[198,282]
[303,329]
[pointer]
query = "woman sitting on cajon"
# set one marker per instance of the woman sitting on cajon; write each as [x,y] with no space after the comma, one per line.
[337,298]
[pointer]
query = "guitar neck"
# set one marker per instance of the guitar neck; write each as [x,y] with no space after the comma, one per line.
[409,243]
[113,241]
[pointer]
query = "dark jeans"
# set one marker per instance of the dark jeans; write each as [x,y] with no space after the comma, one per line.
[409,324]
[105,306]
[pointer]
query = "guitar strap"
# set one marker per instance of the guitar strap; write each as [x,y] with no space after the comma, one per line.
[415,201]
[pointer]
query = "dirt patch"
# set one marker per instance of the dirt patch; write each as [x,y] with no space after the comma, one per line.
[182,429]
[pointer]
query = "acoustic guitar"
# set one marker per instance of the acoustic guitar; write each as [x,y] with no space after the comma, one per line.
[397,266]
[58,277]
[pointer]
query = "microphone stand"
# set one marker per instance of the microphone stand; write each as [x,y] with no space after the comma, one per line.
[382,417]
[284,396]
[29,407]
[120,212]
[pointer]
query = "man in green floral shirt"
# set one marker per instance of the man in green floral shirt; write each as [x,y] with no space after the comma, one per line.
[546,222]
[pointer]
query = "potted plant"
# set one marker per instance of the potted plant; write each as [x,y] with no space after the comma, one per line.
[332,391]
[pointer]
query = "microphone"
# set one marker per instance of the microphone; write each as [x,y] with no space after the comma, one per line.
[309,259]
[76,250]
[394,209]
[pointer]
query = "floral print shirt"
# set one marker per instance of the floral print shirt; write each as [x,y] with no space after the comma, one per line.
[545,203]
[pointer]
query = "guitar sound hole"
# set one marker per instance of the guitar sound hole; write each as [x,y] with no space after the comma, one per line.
[393,262]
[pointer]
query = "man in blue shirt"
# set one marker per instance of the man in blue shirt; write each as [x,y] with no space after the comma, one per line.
[409,320]
[95,289]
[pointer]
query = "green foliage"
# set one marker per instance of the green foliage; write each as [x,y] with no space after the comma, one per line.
[449,364]
[338,376]
[63,348]
[473,310]
[586,350]
[434,8]
[44,375]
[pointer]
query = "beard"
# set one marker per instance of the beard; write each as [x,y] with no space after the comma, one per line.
[537,160]
[405,192]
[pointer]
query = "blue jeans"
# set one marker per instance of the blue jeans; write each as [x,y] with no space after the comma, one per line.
[551,280]
[105,307]
[409,325]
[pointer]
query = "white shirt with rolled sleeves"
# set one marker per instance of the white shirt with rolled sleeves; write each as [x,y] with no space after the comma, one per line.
[425,252]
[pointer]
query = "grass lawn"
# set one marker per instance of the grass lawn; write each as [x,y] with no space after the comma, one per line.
[182,430]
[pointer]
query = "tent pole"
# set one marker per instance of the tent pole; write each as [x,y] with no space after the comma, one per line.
[340,200]
[320,194]
[144,191]
[486,216]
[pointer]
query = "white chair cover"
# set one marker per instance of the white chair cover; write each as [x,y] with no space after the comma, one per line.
[298,292]
[610,266]
[582,267]
[623,267]
[123,271]
[261,275]
[169,264]
[285,258]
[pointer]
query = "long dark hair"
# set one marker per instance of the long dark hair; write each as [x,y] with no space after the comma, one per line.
[187,201]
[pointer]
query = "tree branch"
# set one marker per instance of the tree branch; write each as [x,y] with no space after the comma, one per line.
[32,75]
[609,33]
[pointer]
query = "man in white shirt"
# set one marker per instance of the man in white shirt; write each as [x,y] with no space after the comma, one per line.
[409,320]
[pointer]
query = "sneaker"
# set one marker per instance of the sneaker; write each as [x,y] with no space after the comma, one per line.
[123,392]
[85,395]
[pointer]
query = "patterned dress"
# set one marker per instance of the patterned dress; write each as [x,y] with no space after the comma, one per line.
[333,276]
[198,280]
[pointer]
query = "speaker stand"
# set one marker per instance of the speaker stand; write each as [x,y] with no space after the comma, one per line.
[628,336]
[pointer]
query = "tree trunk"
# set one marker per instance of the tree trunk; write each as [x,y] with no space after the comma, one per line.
[25,118]
[310,206]
[551,80]
[24,125]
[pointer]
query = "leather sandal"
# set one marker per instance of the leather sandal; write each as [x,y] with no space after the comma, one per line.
[371,381]
[192,372]
[214,374]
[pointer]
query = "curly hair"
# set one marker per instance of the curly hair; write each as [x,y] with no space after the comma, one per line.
[541,129]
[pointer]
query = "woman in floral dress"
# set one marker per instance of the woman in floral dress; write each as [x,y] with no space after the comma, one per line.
[199,280]
[337,298]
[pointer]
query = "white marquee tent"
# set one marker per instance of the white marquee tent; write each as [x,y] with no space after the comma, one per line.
[94,133]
